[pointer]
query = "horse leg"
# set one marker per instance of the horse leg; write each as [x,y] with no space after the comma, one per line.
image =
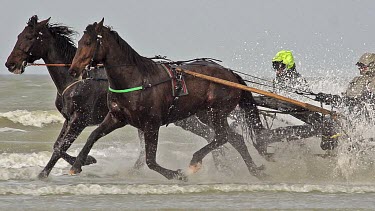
[195,126]
[109,124]
[219,140]
[238,142]
[69,132]
[55,155]
[141,159]
[151,145]
[199,126]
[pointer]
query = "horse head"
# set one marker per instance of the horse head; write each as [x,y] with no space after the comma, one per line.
[90,49]
[29,46]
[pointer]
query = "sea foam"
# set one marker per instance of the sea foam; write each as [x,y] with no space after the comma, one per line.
[8,129]
[167,189]
[33,118]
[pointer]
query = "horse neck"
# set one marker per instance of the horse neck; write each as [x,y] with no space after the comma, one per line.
[59,75]
[123,77]
[125,67]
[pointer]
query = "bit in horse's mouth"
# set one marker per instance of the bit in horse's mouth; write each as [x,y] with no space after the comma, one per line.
[19,70]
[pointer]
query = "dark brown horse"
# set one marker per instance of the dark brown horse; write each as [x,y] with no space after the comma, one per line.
[149,107]
[53,44]
[82,103]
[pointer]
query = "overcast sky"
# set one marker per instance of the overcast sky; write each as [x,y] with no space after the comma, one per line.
[324,35]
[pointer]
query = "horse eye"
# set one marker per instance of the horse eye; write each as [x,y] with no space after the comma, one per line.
[29,37]
[88,42]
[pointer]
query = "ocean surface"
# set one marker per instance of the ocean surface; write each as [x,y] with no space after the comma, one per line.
[298,178]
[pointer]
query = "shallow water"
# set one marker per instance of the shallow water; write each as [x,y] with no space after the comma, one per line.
[298,179]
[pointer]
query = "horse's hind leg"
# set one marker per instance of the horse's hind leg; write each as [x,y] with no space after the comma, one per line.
[224,133]
[220,138]
[237,141]
[109,124]
[194,125]
[141,158]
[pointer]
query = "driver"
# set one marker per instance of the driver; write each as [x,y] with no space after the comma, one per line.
[287,76]
[361,88]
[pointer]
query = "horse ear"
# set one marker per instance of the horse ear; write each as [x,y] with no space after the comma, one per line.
[99,27]
[45,22]
[33,21]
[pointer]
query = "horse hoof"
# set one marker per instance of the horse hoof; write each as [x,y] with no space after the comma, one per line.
[268,157]
[42,175]
[74,171]
[194,168]
[258,172]
[261,168]
[90,160]
[180,175]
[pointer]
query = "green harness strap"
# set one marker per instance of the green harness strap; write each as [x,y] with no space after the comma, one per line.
[125,90]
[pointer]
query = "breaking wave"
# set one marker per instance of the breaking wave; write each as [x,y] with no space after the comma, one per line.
[33,118]
[166,189]
[8,129]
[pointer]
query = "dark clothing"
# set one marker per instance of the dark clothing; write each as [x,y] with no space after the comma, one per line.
[360,90]
[290,80]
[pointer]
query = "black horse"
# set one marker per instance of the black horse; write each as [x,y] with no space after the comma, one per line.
[53,44]
[82,103]
[147,101]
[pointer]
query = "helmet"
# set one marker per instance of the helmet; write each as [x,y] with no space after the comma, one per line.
[367,60]
[286,57]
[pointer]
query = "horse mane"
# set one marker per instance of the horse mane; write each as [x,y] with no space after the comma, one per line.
[132,57]
[64,43]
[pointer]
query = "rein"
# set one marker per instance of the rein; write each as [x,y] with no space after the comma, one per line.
[55,65]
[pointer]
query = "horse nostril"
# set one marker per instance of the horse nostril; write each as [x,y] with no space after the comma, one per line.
[10,65]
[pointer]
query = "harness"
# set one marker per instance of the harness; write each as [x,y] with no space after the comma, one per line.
[79,81]
[178,84]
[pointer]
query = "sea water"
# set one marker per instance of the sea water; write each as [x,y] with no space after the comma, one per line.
[297,177]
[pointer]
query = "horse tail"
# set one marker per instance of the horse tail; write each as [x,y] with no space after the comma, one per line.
[250,115]
[248,105]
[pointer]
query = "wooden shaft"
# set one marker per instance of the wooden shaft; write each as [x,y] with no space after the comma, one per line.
[258,91]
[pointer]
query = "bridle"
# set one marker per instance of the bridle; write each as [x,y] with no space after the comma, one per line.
[28,52]
[91,65]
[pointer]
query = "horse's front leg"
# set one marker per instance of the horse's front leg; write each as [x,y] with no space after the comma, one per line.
[109,124]
[55,155]
[69,132]
[151,145]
